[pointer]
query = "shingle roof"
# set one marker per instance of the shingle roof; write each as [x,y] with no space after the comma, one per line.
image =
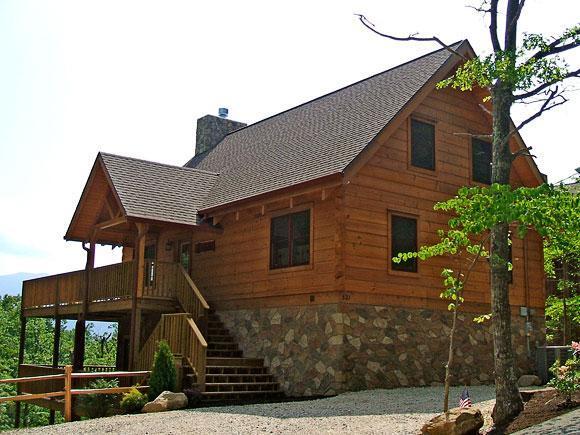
[157,191]
[315,139]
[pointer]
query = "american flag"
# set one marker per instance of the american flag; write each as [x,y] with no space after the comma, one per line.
[464,399]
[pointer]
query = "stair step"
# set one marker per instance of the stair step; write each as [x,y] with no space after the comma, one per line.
[229,395]
[232,370]
[221,345]
[238,377]
[215,338]
[216,353]
[217,331]
[236,362]
[241,387]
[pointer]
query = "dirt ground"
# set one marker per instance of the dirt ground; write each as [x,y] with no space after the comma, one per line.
[541,407]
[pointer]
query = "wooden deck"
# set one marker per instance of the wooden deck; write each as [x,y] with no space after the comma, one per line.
[110,291]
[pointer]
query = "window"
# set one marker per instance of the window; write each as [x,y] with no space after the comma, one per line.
[481,161]
[403,239]
[206,246]
[422,145]
[290,240]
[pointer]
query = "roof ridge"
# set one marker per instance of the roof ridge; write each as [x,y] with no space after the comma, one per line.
[338,90]
[158,163]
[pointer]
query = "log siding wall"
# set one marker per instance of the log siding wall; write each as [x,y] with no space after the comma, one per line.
[388,184]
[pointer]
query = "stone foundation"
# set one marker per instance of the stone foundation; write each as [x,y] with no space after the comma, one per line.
[328,349]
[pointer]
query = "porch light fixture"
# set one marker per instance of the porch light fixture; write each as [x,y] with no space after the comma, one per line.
[169,246]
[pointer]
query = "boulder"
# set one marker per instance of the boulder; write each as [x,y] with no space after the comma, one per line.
[457,421]
[166,401]
[529,380]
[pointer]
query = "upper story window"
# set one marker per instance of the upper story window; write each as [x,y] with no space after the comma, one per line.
[290,240]
[422,145]
[481,161]
[403,239]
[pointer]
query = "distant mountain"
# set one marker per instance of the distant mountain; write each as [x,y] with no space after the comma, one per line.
[12,284]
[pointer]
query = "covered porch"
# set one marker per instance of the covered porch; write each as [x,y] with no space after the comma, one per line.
[131,204]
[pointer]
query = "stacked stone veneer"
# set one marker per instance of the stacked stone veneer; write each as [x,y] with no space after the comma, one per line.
[328,349]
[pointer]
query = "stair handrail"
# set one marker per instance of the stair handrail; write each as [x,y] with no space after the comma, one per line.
[183,337]
[192,285]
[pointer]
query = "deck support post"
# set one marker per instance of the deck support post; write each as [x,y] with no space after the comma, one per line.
[139,259]
[80,326]
[21,348]
[55,355]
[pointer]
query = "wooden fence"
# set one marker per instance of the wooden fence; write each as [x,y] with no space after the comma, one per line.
[65,380]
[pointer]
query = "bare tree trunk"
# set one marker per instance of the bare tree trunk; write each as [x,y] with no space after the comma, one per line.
[449,361]
[508,400]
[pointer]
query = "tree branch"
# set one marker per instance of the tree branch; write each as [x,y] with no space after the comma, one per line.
[554,48]
[546,85]
[552,96]
[523,152]
[493,26]
[412,37]
[516,16]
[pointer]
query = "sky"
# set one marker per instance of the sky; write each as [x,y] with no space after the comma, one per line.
[131,77]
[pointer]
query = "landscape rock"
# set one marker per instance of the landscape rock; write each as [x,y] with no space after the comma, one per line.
[529,380]
[458,421]
[166,401]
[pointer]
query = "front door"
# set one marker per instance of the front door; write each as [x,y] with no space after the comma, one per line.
[185,256]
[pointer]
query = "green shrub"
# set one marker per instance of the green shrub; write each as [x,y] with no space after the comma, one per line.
[99,405]
[566,378]
[133,401]
[163,373]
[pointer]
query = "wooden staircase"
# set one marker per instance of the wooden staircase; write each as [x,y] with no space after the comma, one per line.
[230,377]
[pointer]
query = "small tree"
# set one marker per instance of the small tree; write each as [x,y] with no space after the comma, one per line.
[553,212]
[163,373]
[454,281]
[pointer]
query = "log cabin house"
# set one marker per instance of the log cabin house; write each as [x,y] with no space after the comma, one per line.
[265,261]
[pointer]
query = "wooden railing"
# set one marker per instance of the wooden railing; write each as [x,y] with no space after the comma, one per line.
[115,282]
[183,337]
[60,384]
[164,279]
[106,283]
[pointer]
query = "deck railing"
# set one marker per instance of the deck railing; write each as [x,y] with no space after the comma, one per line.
[183,337]
[115,282]
[106,283]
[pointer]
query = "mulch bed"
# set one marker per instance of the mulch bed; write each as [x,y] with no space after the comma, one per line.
[543,406]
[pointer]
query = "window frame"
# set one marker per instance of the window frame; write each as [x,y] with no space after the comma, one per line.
[430,172]
[406,273]
[290,211]
[472,163]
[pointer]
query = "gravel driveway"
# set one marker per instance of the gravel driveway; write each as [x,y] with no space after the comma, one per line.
[399,411]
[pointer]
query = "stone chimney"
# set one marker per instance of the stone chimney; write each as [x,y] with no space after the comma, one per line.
[212,129]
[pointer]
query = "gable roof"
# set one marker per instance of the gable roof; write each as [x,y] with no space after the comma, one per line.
[157,191]
[316,139]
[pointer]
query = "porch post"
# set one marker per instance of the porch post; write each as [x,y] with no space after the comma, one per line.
[139,259]
[80,326]
[55,354]
[21,348]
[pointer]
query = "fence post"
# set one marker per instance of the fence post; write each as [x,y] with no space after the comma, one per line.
[67,393]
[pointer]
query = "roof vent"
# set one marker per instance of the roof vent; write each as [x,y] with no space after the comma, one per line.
[223,112]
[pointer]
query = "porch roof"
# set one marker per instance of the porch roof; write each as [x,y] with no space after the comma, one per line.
[120,189]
